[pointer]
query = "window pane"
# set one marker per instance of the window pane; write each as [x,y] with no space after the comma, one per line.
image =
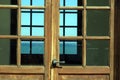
[37,31]
[98,23]
[25,31]
[97,53]
[38,2]
[61,31]
[32,22]
[25,2]
[8,21]
[98,2]
[70,2]
[37,47]
[38,19]
[25,47]
[8,2]
[71,19]
[71,31]
[61,19]
[32,52]
[70,23]
[8,52]
[25,19]
[71,52]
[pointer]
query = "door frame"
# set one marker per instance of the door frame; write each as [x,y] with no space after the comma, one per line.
[117,41]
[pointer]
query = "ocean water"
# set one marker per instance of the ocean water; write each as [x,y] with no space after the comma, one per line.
[38,47]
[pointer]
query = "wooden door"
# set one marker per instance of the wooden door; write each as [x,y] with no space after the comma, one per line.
[56,39]
[24,39]
[83,38]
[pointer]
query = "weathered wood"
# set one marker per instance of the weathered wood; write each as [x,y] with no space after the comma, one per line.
[55,35]
[98,38]
[33,7]
[84,34]
[71,38]
[21,77]
[112,40]
[8,37]
[8,6]
[98,8]
[48,34]
[84,70]
[83,77]
[32,37]
[19,33]
[22,69]
[72,8]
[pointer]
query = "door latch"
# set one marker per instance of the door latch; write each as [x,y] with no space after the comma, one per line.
[56,63]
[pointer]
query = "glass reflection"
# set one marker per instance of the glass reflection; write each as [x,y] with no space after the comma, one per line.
[71,52]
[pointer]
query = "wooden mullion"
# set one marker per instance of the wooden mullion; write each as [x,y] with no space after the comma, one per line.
[19,33]
[48,39]
[98,38]
[71,38]
[97,7]
[8,37]
[32,37]
[8,7]
[112,3]
[84,35]
[87,7]
[72,8]
[55,37]
[33,7]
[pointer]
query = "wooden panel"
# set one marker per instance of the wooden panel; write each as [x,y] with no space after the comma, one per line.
[87,70]
[83,77]
[25,69]
[20,77]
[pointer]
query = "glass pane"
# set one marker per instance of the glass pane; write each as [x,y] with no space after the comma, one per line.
[37,18]
[25,18]
[8,21]
[37,47]
[98,22]
[25,31]
[25,47]
[71,31]
[38,2]
[70,22]
[97,53]
[32,22]
[8,52]
[25,2]
[70,2]
[71,52]
[61,19]
[32,2]
[8,2]
[97,2]
[71,19]
[32,52]
[37,31]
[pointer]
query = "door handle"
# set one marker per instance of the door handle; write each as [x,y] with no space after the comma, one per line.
[56,63]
